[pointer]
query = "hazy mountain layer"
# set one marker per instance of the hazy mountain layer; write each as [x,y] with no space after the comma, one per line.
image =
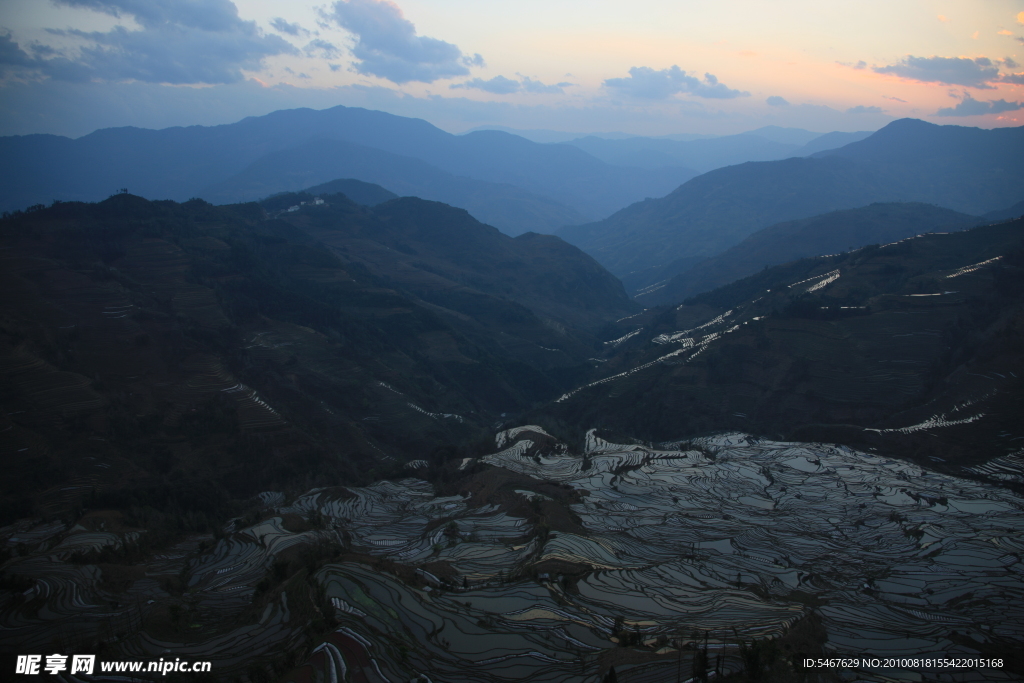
[178,163]
[763,144]
[965,169]
[506,207]
[830,233]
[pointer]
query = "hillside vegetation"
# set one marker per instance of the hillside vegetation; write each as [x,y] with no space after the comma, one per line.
[155,351]
[886,346]
[829,233]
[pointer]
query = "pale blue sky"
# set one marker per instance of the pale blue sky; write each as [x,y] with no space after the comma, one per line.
[644,66]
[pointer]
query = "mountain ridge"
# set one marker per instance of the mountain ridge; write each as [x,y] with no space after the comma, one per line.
[885,346]
[506,206]
[650,242]
[38,169]
[819,235]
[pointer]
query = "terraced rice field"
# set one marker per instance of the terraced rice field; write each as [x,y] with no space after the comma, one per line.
[733,536]
[896,560]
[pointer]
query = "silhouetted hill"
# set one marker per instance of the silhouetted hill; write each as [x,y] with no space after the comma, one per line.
[212,351]
[507,207]
[442,254]
[367,194]
[40,168]
[817,236]
[973,170]
[886,347]
[964,169]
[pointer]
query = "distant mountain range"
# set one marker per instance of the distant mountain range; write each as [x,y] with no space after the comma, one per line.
[764,144]
[506,180]
[558,184]
[969,170]
[509,207]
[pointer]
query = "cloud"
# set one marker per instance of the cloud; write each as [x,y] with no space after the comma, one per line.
[323,48]
[211,15]
[776,101]
[499,85]
[861,109]
[283,26]
[646,83]
[971,107]
[44,60]
[974,73]
[1016,79]
[1004,32]
[179,43]
[387,45]
[530,85]
[1009,63]
[11,53]
[943,18]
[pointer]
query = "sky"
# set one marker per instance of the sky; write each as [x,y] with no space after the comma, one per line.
[643,67]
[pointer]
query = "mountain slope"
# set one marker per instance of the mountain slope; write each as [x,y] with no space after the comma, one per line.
[507,207]
[887,346]
[816,236]
[192,350]
[443,255]
[967,170]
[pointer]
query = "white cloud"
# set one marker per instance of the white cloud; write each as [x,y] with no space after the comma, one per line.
[179,42]
[500,85]
[386,44]
[644,82]
[969,106]
[974,73]
[861,109]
